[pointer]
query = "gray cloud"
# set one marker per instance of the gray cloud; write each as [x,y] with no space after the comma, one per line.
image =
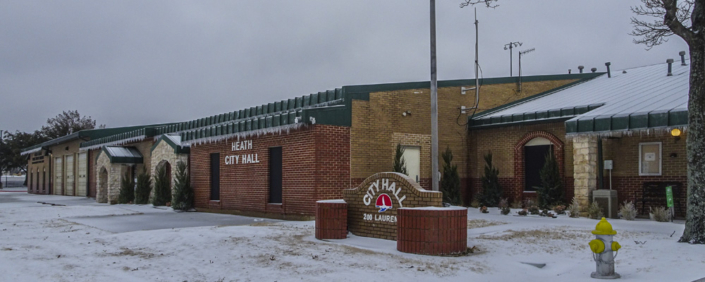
[140,62]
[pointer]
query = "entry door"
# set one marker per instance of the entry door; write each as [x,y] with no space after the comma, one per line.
[215,177]
[44,181]
[412,159]
[70,177]
[275,175]
[534,159]
[58,176]
[82,174]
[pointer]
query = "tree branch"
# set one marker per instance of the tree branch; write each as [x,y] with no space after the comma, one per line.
[488,3]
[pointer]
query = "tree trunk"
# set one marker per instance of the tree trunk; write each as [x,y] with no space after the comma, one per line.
[695,218]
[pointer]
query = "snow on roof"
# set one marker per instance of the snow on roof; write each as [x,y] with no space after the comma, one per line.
[641,90]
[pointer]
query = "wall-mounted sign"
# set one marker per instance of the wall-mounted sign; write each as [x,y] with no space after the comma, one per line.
[245,158]
[372,207]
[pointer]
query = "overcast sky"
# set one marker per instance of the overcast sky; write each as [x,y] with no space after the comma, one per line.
[143,62]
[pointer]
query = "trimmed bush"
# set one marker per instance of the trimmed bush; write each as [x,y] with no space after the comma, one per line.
[574,208]
[162,191]
[183,192]
[551,191]
[659,214]
[144,187]
[127,189]
[491,191]
[399,164]
[450,183]
[594,211]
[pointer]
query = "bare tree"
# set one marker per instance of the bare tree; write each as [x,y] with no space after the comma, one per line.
[686,19]
[66,123]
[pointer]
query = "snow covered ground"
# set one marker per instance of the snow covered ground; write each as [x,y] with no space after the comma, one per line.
[40,242]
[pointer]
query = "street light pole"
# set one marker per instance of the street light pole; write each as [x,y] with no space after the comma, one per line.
[434,102]
[511,46]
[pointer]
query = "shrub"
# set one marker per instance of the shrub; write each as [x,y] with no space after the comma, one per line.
[475,203]
[127,189]
[628,210]
[522,212]
[399,165]
[559,209]
[574,208]
[503,203]
[183,192]
[144,187]
[450,182]
[506,210]
[659,214]
[491,191]
[516,204]
[483,209]
[551,191]
[162,191]
[594,211]
[534,210]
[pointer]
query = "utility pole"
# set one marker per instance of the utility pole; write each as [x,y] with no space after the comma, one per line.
[434,102]
[510,46]
[522,53]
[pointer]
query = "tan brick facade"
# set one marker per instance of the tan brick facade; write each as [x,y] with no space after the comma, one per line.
[378,125]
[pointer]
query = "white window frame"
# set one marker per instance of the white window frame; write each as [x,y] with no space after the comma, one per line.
[660,163]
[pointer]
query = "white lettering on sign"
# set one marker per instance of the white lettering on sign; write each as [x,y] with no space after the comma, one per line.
[379,217]
[242,145]
[243,158]
[386,186]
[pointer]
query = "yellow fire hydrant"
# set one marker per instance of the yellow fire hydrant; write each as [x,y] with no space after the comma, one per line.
[602,248]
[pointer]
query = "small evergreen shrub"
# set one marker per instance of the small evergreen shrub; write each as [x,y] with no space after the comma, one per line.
[534,210]
[162,191]
[183,192]
[659,214]
[483,209]
[628,210]
[127,189]
[516,204]
[144,187]
[504,202]
[506,210]
[399,164]
[550,192]
[559,209]
[523,212]
[574,208]
[594,211]
[491,191]
[450,182]
[475,203]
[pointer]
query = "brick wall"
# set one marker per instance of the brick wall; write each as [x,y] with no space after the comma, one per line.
[433,231]
[378,125]
[316,166]
[506,144]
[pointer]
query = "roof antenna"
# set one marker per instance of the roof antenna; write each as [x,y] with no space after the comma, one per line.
[477,67]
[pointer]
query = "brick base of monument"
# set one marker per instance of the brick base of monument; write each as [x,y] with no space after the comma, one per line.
[331,219]
[432,231]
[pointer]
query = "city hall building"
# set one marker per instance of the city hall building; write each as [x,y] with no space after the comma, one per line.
[281,157]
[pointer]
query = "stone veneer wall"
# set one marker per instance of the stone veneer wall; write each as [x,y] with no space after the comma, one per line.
[110,195]
[416,196]
[584,168]
[164,152]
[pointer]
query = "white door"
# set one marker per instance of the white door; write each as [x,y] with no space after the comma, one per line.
[58,176]
[412,159]
[70,177]
[82,174]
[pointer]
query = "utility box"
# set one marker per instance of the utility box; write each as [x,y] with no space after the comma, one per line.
[607,199]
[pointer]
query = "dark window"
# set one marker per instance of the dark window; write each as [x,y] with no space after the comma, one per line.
[275,175]
[534,159]
[44,181]
[31,181]
[215,176]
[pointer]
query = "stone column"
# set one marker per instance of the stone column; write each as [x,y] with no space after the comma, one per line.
[585,168]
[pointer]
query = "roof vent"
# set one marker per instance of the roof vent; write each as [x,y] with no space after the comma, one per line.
[609,74]
[569,70]
[682,53]
[670,64]
[581,68]
[593,69]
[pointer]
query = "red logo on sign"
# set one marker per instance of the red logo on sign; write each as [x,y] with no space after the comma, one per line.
[384,202]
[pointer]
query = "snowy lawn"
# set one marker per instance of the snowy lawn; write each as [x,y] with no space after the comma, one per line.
[41,242]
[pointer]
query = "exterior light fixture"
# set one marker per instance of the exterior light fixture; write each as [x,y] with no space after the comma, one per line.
[675,132]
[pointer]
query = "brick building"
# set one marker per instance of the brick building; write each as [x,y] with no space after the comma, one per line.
[281,157]
[627,117]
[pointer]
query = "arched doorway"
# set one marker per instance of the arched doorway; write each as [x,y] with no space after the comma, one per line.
[167,172]
[103,186]
[535,152]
